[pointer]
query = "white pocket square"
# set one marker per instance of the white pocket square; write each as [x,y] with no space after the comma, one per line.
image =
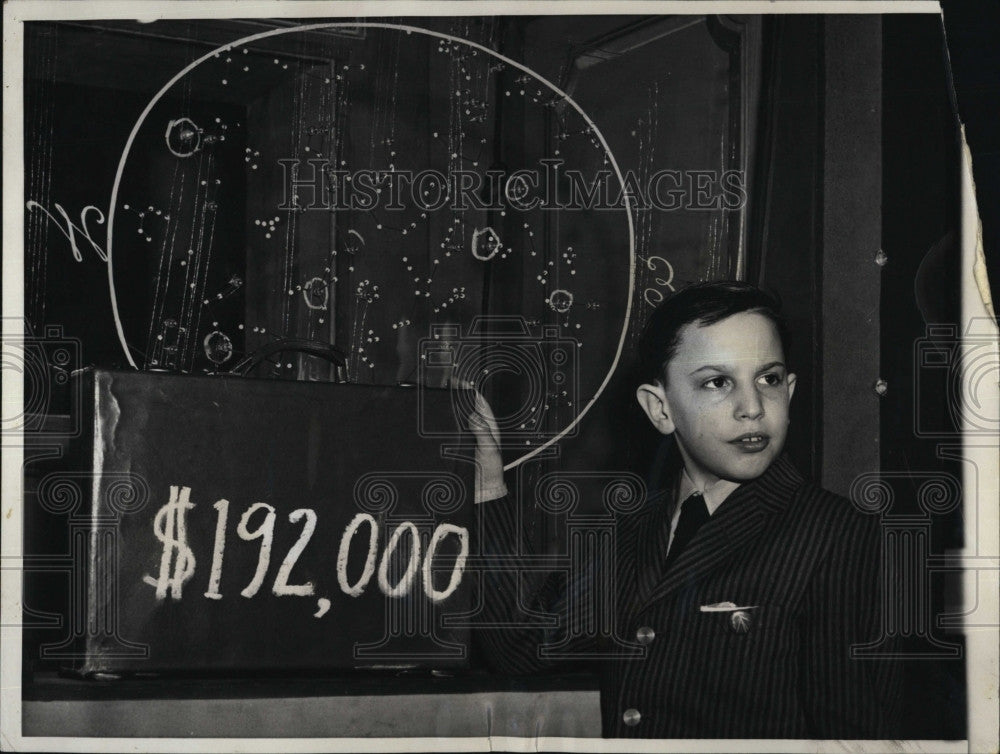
[725,607]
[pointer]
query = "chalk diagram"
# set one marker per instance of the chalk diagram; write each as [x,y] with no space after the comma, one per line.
[384,273]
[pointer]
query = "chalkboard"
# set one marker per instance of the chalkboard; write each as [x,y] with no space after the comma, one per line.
[242,524]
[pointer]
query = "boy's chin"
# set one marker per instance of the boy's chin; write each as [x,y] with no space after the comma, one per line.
[747,467]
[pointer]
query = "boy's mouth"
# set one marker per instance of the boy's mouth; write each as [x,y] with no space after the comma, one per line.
[751,442]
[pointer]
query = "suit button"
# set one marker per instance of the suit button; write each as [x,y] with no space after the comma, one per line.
[645,635]
[631,717]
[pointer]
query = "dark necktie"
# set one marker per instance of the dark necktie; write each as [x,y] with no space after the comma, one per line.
[694,513]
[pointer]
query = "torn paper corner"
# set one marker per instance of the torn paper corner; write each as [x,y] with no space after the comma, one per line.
[979,266]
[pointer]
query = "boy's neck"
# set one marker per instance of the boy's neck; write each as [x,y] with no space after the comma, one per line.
[714,493]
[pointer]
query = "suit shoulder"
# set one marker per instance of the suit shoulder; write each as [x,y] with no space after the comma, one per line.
[828,508]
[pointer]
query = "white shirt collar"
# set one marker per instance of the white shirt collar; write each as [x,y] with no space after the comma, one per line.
[714,494]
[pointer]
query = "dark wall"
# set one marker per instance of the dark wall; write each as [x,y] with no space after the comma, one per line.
[920,290]
[786,201]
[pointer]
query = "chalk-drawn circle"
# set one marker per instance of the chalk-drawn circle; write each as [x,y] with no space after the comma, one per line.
[183,137]
[560,300]
[516,188]
[316,292]
[485,244]
[475,48]
[218,347]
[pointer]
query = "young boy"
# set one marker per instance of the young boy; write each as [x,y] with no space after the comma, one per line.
[745,586]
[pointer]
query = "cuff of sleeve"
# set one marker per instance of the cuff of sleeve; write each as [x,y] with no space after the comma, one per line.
[493,492]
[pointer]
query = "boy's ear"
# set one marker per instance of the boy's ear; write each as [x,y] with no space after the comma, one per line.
[652,399]
[791,385]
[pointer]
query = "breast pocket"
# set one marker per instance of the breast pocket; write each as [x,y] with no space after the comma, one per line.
[766,629]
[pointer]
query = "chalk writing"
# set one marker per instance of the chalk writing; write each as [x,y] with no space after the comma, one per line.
[653,296]
[171,529]
[281,585]
[70,230]
[456,575]
[257,523]
[265,533]
[358,588]
[222,506]
[402,586]
[324,607]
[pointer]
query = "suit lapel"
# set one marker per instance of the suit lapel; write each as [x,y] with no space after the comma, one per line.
[733,527]
[652,537]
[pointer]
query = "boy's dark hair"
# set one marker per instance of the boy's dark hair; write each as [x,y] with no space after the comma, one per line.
[703,304]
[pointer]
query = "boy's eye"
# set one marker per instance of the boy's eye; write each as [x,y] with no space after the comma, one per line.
[772,379]
[716,383]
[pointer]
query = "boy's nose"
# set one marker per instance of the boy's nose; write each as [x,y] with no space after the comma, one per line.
[748,403]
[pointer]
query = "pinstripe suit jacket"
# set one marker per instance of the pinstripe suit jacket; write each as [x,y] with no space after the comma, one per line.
[806,562]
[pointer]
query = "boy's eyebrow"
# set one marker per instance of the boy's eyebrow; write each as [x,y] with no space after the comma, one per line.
[708,367]
[714,368]
[772,365]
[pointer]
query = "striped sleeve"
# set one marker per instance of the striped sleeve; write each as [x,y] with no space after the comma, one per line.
[521,608]
[847,695]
